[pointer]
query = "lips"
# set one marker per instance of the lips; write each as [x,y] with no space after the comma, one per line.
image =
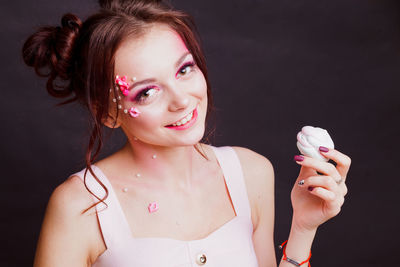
[181,119]
[184,122]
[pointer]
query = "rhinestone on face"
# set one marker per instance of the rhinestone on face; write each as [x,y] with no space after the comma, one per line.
[125,111]
[125,190]
[138,175]
[119,97]
[119,106]
[114,100]
[154,156]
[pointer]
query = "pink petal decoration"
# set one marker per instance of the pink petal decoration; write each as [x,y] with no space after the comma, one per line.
[122,83]
[134,112]
[153,207]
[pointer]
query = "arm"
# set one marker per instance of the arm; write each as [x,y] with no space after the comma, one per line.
[64,237]
[311,208]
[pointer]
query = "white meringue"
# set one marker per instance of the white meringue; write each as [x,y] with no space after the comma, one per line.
[310,139]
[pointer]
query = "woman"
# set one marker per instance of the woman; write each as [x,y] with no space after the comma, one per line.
[165,198]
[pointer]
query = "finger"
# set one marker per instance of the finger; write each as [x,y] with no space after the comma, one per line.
[306,171]
[344,189]
[333,203]
[324,181]
[323,193]
[319,166]
[343,161]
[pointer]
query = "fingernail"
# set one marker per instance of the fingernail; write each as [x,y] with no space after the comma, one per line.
[323,149]
[301,182]
[298,158]
[310,188]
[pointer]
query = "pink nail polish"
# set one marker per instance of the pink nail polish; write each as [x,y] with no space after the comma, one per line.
[323,149]
[298,158]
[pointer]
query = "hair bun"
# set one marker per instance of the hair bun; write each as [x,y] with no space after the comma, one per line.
[72,22]
[50,51]
[121,4]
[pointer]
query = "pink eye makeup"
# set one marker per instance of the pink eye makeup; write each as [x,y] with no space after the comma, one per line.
[185,69]
[144,94]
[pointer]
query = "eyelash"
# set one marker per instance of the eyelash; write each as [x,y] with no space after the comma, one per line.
[138,97]
[187,64]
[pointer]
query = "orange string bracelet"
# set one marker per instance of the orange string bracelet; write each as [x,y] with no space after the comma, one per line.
[285,258]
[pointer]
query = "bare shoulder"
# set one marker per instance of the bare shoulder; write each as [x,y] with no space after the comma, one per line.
[68,236]
[73,192]
[259,177]
[69,200]
[255,166]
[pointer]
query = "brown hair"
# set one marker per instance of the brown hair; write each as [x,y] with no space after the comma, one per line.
[78,58]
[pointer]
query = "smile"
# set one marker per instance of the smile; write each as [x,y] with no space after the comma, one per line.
[185,122]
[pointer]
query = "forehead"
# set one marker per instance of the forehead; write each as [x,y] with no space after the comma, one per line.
[159,47]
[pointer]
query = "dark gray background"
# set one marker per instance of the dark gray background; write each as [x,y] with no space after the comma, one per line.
[274,66]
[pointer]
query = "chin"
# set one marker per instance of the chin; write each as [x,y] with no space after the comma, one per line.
[192,138]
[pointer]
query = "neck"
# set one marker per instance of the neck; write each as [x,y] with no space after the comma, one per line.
[168,165]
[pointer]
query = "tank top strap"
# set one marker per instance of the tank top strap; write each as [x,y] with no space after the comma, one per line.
[113,224]
[232,170]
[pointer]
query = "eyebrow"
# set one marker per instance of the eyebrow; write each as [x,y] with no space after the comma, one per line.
[151,80]
[181,59]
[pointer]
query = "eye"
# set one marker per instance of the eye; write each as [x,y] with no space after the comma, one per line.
[185,69]
[145,94]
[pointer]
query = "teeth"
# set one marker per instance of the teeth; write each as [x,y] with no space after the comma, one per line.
[184,120]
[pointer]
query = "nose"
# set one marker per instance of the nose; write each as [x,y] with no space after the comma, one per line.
[179,100]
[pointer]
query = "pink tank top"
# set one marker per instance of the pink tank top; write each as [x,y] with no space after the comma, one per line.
[230,245]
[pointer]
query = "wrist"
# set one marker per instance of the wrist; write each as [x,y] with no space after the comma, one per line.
[298,247]
[302,237]
[299,228]
[287,259]
[303,231]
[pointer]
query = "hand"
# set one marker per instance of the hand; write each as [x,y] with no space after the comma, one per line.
[324,201]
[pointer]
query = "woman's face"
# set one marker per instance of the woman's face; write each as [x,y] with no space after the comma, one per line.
[165,86]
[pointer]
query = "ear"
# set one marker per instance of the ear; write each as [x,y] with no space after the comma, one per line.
[112,122]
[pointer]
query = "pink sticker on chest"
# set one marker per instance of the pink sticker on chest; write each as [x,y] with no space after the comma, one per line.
[153,207]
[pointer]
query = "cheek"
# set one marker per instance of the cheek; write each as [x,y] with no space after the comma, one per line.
[150,117]
[200,88]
